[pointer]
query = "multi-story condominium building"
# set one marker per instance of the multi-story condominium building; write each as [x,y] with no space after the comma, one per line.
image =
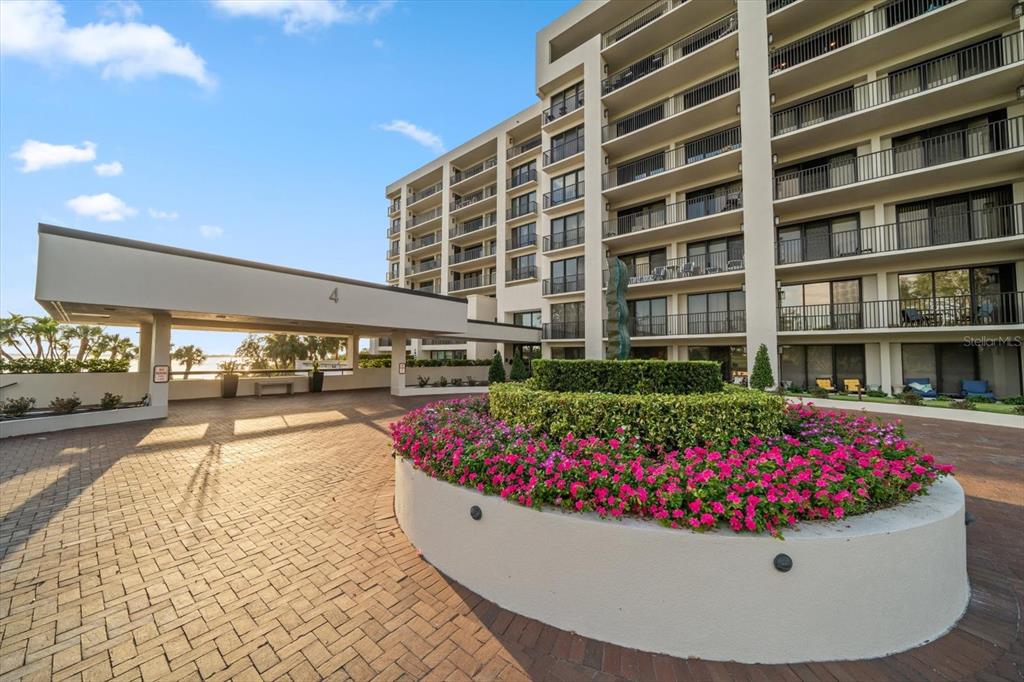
[842,181]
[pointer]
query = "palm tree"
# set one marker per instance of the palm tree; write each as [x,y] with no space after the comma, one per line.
[284,349]
[189,355]
[16,333]
[85,335]
[122,346]
[44,330]
[254,349]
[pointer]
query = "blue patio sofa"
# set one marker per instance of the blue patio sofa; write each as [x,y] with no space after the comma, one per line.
[922,387]
[976,388]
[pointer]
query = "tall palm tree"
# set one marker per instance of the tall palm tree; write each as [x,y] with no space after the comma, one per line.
[189,355]
[284,349]
[44,332]
[85,335]
[123,347]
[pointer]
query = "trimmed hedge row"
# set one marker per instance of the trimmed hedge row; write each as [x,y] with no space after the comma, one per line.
[676,421]
[411,361]
[53,366]
[628,376]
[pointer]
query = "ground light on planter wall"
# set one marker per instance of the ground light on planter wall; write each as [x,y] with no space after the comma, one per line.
[783,563]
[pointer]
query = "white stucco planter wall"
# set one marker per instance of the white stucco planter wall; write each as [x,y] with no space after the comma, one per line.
[869,586]
[1013,421]
[77,420]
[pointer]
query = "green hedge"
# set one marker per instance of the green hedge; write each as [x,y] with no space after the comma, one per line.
[677,421]
[385,361]
[628,376]
[52,366]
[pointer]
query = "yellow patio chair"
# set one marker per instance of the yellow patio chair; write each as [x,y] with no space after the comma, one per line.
[825,383]
[852,386]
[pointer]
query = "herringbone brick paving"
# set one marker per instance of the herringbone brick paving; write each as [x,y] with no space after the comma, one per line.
[255,539]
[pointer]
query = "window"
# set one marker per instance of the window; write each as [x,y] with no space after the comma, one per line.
[649,316]
[824,108]
[804,365]
[638,169]
[524,267]
[565,101]
[982,214]
[816,175]
[721,312]
[447,354]
[567,275]
[523,235]
[947,365]
[962,139]
[567,231]
[715,255]
[523,204]
[937,71]
[523,174]
[643,263]
[639,119]
[566,144]
[648,353]
[567,320]
[642,217]
[567,353]
[712,200]
[567,187]
[527,318]
[959,296]
[732,359]
[820,305]
[821,239]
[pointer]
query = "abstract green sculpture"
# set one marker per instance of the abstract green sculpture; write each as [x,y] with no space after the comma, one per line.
[618,311]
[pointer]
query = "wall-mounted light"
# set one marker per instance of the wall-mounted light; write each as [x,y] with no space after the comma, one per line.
[739,167]
[771,98]
[737,53]
[771,38]
[776,220]
[737,109]
[1020,92]
[782,562]
[475,513]
[775,158]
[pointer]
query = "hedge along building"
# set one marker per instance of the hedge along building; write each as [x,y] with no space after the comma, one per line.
[86,278]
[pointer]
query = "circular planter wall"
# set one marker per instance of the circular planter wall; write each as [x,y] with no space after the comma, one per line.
[865,587]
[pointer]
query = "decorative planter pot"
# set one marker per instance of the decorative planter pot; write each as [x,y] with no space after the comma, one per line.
[316,382]
[229,386]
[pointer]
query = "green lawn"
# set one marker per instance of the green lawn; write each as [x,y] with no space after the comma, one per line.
[998,408]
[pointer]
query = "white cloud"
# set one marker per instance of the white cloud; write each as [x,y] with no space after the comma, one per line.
[36,30]
[120,9]
[415,133]
[108,170]
[103,207]
[210,231]
[378,43]
[35,155]
[298,16]
[163,215]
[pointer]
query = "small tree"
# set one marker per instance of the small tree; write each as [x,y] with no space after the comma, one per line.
[188,356]
[761,378]
[496,374]
[519,371]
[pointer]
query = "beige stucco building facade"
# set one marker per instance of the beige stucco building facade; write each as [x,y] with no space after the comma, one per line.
[842,181]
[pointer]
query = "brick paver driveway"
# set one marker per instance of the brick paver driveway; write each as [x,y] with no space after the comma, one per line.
[253,539]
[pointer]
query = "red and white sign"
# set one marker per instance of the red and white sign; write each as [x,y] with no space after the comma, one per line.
[161,374]
[401,368]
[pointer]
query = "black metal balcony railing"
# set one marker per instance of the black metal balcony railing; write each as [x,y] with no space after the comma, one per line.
[519,274]
[850,30]
[563,108]
[687,99]
[941,311]
[521,240]
[933,151]
[670,214]
[971,61]
[523,147]
[970,226]
[563,285]
[425,266]
[521,178]
[432,214]
[678,268]
[478,223]
[563,330]
[564,194]
[564,239]
[692,152]
[426,192]
[394,230]
[564,149]
[776,5]
[475,169]
[520,209]
[700,38]
[393,251]
[430,239]
[638,21]
[428,289]
[686,324]
[395,206]
[482,280]
[391,275]
[470,199]
[433,341]
[471,254]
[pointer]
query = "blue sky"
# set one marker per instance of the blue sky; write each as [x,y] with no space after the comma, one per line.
[252,129]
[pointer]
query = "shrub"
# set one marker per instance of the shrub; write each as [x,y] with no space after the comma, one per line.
[875,394]
[670,420]
[422,381]
[367,361]
[762,378]
[519,371]
[963,405]
[70,366]
[109,401]
[628,376]
[16,407]
[496,374]
[1018,409]
[817,392]
[910,398]
[980,399]
[832,466]
[456,381]
[65,405]
[441,381]
[1013,400]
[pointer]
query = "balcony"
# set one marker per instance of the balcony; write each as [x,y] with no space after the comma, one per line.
[395,206]
[521,179]
[393,251]
[395,228]
[702,106]
[703,51]
[999,222]
[474,170]
[460,203]
[563,240]
[975,72]
[564,195]
[468,255]
[562,109]
[980,310]
[563,330]
[681,268]
[416,244]
[677,214]
[688,324]
[563,151]
[658,24]
[475,282]
[425,193]
[475,225]
[563,285]
[423,218]
[862,174]
[521,242]
[390,276]
[521,209]
[521,274]
[521,148]
[637,176]
[883,34]
[776,5]
[420,268]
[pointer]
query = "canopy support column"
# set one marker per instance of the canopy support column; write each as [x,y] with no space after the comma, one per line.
[397,364]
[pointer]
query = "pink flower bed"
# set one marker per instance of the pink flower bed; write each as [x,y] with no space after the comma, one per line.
[827,466]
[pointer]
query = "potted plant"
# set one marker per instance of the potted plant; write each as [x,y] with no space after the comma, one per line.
[316,378]
[229,378]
